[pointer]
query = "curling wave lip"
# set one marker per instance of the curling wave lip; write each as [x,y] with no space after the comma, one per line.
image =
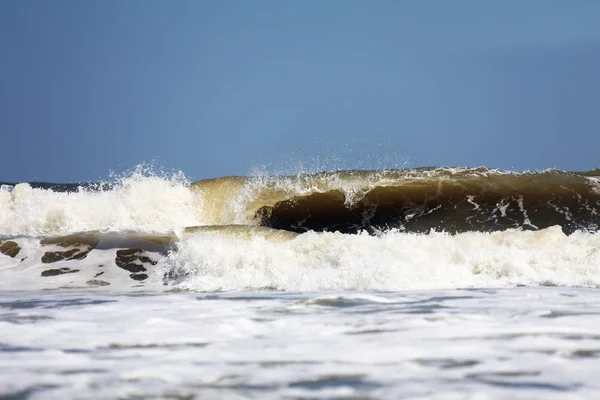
[413,200]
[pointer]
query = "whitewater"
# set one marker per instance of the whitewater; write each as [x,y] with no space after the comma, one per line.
[436,283]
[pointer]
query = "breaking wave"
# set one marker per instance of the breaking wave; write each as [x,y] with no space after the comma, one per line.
[339,230]
[140,200]
[413,200]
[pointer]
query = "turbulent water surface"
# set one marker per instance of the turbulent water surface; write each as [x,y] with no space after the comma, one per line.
[420,283]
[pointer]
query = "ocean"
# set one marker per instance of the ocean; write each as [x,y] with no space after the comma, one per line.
[426,283]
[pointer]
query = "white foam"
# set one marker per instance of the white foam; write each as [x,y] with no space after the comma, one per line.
[392,261]
[137,201]
[526,343]
[213,260]
[96,271]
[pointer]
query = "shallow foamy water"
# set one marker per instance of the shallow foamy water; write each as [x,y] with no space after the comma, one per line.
[441,344]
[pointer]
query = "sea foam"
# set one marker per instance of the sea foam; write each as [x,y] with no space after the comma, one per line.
[141,201]
[391,261]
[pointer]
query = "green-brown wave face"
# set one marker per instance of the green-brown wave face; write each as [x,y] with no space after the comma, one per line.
[414,200]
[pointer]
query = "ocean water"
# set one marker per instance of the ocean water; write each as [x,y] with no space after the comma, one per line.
[432,283]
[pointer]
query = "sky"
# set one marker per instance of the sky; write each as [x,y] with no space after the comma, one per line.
[217,88]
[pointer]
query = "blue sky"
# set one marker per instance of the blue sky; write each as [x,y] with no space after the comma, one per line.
[224,87]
